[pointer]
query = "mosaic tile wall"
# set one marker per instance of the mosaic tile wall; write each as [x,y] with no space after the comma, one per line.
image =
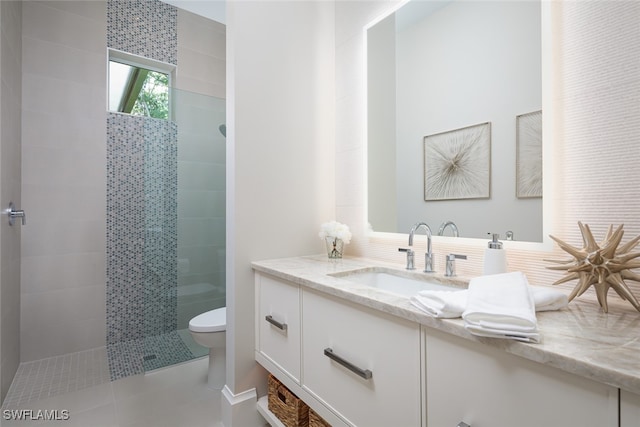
[142,233]
[141,203]
[142,230]
[125,227]
[146,28]
[161,226]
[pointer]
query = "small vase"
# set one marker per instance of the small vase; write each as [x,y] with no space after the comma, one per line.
[335,247]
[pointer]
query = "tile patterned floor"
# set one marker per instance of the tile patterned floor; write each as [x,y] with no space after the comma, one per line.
[168,397]
[49,377]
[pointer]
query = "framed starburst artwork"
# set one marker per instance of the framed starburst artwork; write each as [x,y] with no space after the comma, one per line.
[529,155]
[457,164]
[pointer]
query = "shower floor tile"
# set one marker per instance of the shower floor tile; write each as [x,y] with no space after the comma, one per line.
[196,349]
[154,352]
[165,350]
[53,376]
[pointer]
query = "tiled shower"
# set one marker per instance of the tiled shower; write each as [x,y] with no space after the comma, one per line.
[72,297]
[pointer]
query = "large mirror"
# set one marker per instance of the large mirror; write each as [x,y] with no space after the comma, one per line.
[459,82]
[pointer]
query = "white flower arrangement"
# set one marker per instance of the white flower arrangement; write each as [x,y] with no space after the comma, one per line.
[336,230]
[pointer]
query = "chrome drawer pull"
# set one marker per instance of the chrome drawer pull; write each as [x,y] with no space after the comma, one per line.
[364,373]
[281,326]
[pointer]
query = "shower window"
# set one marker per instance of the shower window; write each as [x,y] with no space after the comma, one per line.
[139,89]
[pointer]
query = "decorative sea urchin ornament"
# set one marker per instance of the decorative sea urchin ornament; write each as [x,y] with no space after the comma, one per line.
[603,265]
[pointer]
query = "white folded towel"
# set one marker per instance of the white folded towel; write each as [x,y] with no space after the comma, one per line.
[441,304]
[547,299]
[501,306]
[451,304]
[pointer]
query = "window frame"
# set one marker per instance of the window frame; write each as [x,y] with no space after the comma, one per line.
[114,55]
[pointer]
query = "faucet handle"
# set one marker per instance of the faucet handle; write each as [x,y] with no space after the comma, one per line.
[451,264]
[410,257]
[428,263]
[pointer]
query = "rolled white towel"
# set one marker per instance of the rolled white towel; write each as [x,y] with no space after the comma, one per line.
[451,304]
[501,306]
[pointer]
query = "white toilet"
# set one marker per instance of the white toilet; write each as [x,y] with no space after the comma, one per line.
[209,330]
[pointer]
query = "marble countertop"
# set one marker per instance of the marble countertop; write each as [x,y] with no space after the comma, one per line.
[580,339]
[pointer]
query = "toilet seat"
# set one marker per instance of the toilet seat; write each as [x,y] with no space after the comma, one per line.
[210,321]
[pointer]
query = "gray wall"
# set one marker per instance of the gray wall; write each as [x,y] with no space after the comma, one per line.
[10,182]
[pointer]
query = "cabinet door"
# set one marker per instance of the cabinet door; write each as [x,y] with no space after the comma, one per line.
[278,323]
[383,346]
[629,409]
[484,386]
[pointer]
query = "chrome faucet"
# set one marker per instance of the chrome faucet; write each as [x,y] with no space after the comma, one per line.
[451,224]
[428,256]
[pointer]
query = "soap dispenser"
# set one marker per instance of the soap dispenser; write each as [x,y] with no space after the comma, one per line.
[495,258]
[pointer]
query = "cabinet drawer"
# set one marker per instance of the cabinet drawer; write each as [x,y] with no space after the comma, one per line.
[336,334]
[484,386]
[278,323]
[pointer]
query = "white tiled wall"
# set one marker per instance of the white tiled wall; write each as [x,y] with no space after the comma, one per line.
[201,55]
[10,179]
[596,90]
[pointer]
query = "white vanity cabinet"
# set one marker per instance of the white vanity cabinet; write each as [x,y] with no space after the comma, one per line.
[629,409]
[484,386]
[362,363]
[278,325]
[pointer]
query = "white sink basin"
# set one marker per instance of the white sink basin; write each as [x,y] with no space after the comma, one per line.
[395,283]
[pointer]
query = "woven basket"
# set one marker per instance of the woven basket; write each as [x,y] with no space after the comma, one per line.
[316,420]
[289,409]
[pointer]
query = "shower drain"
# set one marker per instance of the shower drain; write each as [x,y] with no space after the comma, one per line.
[149,357]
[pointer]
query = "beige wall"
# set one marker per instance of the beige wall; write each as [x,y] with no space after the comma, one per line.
[201,55]
[596,98]
[10,182]
[63,161]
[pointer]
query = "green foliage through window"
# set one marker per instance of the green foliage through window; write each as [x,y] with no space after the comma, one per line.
[153,98]
[138,91]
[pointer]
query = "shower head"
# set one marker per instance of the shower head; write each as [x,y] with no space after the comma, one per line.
[223,129]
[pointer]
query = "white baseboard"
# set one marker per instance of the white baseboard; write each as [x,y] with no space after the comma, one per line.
[240,410]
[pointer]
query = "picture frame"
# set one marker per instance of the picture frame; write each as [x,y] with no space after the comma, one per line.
[529,155]
[457,164]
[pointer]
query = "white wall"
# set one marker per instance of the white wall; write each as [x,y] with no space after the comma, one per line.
[382,192]
[280,152]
